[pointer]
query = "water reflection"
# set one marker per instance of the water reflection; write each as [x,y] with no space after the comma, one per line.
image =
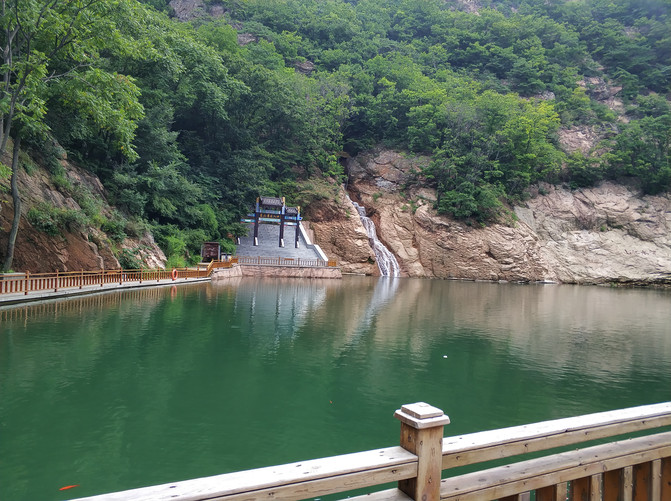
[155,385]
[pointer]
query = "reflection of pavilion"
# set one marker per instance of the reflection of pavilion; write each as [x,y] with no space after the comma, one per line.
[273,210]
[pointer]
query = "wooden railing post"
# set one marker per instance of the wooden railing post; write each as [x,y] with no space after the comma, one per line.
[422,434]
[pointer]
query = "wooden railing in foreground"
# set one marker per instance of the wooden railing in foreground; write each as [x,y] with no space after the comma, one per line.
[635,469]
[35,282]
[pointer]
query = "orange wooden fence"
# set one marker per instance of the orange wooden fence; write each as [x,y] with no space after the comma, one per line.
[35,282]
[16,283]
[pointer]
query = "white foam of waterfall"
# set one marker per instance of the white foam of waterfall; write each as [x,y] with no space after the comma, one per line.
[386,261]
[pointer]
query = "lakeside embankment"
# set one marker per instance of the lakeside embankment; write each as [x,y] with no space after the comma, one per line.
[264,271]
[14,298]
[62,286]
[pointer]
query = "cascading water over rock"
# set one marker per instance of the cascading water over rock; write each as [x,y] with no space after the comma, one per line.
[386,261]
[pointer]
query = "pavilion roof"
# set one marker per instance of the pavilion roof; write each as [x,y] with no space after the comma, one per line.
[272,202]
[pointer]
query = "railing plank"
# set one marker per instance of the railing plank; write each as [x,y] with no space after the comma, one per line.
[642,481]
[656,480]
[613,484]
[551,493]
[508,480]
[292,481]
[507,442]
[579,489]
[596,487]
[627,484]
[666,479]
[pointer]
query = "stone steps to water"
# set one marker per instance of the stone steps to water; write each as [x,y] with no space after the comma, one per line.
[269,237]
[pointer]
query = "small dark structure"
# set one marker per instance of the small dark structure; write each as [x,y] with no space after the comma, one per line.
[210,251]
[273,210]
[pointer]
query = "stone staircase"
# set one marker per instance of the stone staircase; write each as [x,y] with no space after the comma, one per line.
[269,236]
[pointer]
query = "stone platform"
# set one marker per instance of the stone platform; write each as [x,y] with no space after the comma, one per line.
[267,271]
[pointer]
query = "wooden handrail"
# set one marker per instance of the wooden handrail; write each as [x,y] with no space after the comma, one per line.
[34,282]
[504,481]
[646,458]
[506,442]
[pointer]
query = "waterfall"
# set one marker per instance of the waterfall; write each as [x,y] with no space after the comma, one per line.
[386,261]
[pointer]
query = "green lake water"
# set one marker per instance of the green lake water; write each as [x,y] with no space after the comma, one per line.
[122,390]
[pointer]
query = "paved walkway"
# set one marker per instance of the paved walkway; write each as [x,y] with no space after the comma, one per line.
[20,297]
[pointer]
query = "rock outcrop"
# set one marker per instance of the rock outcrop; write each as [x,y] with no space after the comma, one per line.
[603,234]
[338,231]
[606,234]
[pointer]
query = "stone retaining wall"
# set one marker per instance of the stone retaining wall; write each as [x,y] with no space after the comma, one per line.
[275,271]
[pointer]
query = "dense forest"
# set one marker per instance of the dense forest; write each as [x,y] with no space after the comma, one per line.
[185,123]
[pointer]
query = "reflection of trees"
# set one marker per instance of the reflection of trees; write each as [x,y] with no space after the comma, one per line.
[550,326]
[115,359]
[77,328]
[245,354]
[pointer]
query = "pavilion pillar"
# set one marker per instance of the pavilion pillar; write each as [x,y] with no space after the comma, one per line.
[282,228]
[257,215]
[298,231]
[256,227]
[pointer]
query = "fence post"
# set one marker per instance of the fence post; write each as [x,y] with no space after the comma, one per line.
[25,292]
[56,286]
[422,434]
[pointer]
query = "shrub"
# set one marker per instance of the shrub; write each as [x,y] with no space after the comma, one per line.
[582,171]
[60,179]
[42,217]
[87,201]
[130,259]
[52,221]
[175,262]
[27,163]
[135,228]
[114,228]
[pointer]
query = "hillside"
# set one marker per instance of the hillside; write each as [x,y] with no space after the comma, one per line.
[61,221]
[185,111]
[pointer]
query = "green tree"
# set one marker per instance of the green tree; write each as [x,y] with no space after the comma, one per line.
[46,42]
[643,147]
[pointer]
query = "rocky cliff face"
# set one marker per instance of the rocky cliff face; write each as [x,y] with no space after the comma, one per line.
[599,235]
[603,234]
[83,248]
[338,231]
